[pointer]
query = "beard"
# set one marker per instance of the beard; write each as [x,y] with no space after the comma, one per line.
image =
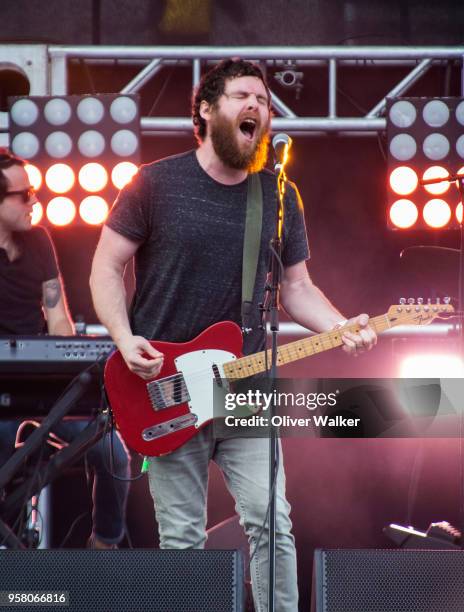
[229,150]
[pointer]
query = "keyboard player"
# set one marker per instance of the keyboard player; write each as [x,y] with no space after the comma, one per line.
[33,301]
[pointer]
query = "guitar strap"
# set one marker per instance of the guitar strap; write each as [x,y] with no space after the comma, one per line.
[251,246]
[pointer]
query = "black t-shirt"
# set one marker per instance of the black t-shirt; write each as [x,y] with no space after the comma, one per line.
[189,265]
[21,282]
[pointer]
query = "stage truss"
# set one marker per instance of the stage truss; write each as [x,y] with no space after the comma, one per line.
[47,68]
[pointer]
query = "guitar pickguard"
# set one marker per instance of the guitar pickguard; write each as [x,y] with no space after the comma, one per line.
[199,377]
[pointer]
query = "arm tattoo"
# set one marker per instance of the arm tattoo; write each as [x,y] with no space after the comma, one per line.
[51,292]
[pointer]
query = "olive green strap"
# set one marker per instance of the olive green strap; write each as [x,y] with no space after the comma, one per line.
[251,246]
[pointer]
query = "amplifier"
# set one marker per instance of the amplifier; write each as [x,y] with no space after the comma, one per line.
[121,580]
[388,581]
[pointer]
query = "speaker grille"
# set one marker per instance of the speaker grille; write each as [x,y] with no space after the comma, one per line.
[391,581]
[127,580]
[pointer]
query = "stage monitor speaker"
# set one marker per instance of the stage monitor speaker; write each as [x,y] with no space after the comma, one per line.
[121,580]
[388,581]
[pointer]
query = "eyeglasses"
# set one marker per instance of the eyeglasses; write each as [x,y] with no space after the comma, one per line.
[26,194]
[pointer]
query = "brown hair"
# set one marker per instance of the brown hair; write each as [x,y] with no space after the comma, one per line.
[212,86]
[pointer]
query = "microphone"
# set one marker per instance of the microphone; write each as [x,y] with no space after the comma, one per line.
[281,144]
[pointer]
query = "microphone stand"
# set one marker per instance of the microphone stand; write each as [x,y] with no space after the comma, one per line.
[271,305]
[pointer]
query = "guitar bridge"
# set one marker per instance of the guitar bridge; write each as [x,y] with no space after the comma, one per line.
[168,427]
[167,392]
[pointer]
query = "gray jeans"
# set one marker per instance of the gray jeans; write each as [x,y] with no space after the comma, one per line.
[178,484]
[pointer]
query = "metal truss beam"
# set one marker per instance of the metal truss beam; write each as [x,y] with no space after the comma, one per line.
[258,53]
[153,60]
[332,57]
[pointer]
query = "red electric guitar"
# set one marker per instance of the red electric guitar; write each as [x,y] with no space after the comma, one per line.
[158,416]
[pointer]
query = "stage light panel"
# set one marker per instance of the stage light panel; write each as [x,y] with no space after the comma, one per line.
[61,211]
[102,130]
[427,136]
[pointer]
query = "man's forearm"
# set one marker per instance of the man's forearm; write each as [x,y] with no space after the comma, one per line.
[109,299]
[308,306]
[61,327]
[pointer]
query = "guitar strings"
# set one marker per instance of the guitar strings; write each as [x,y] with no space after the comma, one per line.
[293,349]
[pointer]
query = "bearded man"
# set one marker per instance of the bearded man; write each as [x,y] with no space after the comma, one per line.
[183,219]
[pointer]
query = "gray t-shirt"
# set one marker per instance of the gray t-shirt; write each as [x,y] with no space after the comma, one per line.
[188,267]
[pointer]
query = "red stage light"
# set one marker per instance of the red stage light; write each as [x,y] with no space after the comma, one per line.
[93,210]
[436,172]
[403,213]
[403,180]
[61,211]
[460,171]
[93,177]
[437,213]
[34,175]
[122,174]
[60,178]
[37,213]
[459,213]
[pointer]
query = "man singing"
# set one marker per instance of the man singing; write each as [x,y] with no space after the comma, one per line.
[183,219]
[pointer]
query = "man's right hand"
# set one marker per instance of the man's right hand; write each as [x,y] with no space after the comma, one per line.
[140,357]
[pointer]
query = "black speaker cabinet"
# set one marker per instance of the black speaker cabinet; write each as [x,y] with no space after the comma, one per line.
[388,581]
[121,581]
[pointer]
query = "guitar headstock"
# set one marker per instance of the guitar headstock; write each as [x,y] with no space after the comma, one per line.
[416,312]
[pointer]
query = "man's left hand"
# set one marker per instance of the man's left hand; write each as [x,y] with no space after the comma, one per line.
[364,340]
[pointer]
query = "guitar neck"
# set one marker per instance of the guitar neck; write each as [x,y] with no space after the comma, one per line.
[293,351]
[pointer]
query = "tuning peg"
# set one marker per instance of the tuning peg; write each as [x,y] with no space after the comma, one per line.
[420,301]
[429,301]
[402,301]
[411,301]
[437,300]
[447,300]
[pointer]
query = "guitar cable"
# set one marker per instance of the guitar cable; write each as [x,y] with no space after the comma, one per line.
[23,516]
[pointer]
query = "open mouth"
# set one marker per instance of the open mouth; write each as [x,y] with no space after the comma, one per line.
[248,128]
